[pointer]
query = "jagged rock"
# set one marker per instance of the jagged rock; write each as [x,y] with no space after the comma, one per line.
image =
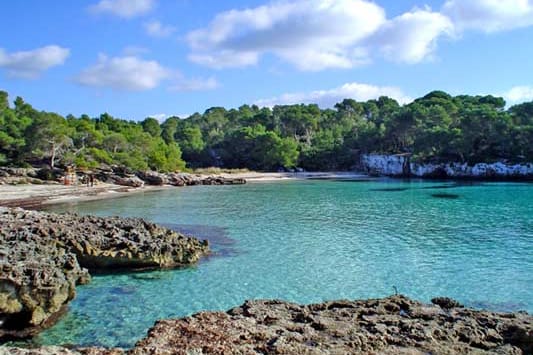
[41,254]
[446,302]
[37,278]
[395,325]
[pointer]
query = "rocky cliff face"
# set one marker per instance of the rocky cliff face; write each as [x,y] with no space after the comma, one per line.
[401,165]
[44,255]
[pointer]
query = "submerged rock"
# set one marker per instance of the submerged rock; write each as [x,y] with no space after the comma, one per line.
[42,255]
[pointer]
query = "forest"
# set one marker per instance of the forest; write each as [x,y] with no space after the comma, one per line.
[435,127]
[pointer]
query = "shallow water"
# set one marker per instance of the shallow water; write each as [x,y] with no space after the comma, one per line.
[309,241]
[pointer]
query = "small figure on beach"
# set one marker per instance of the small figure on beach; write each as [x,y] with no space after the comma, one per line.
[91,179]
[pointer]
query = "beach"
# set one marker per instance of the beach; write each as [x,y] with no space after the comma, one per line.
[35,195]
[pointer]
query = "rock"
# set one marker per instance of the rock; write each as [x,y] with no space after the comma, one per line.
[57,350]
[394,325]
[49,174]
[37,278]
[401,165]
[446,302]
[42,255]
[133,181]
[152,177]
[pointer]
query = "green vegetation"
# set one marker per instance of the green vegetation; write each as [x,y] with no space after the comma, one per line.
[435,127]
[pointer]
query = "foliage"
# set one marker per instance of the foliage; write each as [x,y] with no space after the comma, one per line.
[437,126]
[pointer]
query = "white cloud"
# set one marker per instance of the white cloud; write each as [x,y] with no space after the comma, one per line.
[489,15]
[519,94]
[328,98]
[412,36]
[31,64]
[124,73]
[157,29]
[123,8]
[225,59]
[195,84]
[310,34]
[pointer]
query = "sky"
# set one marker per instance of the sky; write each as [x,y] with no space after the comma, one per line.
[157,58]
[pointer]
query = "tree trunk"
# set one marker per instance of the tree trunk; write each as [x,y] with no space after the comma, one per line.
[53,156]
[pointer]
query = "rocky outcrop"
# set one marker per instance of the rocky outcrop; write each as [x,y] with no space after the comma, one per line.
[117,175]
[395,325]
[18,176]
[42,255]
[400,165]
[37,278]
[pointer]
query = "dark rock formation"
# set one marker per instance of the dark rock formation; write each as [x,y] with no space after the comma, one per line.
[41,254]
[446,302]
[395,325]
[153,178]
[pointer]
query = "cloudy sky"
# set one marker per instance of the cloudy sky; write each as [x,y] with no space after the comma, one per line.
[139,58]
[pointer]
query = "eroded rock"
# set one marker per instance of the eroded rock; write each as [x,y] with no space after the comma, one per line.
[42,255]
[395,325]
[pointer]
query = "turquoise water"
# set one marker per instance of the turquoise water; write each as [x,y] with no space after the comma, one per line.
[309,241]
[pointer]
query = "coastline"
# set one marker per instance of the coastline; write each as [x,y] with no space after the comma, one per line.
[33,196]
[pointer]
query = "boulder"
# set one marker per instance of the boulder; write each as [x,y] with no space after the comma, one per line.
[153,177]
[132,181]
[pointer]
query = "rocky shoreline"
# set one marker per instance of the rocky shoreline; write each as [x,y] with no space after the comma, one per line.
[43,256]
[393,325]
[116,175]
[36,187]
[401,165]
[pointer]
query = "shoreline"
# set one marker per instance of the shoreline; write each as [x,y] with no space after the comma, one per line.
[35,196]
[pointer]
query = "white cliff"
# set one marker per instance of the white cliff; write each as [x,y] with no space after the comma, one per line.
[400,165]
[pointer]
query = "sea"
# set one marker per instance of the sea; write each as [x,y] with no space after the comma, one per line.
[309,241]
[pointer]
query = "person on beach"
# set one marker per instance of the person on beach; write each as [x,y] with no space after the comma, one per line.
[91,179]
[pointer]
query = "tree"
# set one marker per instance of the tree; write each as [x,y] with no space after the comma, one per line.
[49,136]
[151,126]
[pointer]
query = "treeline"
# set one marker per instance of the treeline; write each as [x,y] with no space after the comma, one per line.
[435,127]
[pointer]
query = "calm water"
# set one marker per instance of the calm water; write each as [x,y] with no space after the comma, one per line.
[311,241]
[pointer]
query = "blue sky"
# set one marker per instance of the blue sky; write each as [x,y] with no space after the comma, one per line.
[140,58]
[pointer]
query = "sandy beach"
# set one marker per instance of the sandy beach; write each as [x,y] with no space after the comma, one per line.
[35,195]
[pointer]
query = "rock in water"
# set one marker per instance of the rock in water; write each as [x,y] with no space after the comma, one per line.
[42,255]
[37,278]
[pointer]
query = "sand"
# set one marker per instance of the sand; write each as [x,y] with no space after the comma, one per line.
[35,196]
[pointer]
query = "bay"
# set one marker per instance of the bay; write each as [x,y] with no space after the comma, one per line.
[310,241]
